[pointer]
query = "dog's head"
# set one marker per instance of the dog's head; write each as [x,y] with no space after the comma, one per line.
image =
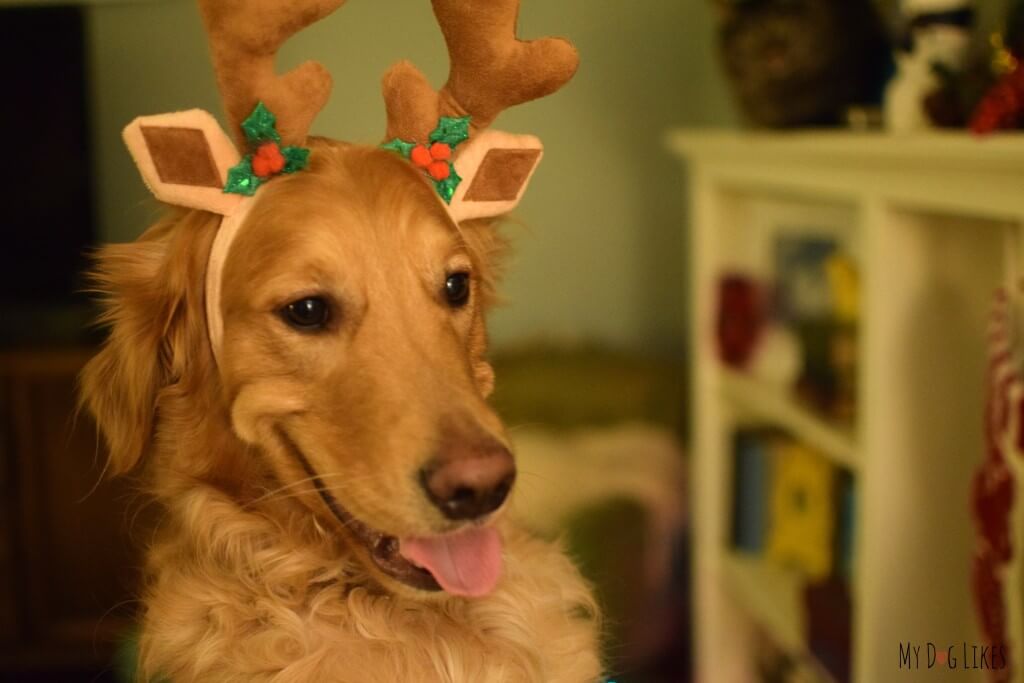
[351,364]
[332,332]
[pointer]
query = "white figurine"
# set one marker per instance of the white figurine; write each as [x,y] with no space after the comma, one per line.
[939,31]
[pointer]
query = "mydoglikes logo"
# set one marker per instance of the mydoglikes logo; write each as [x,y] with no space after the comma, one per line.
[957,657]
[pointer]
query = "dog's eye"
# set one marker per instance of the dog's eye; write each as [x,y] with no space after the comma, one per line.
[307,314]
[456,289]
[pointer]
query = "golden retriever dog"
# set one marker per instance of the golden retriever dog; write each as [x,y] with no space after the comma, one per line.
[332,476]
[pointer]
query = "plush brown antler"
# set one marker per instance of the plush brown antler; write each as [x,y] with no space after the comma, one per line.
[245,36]
[491,70]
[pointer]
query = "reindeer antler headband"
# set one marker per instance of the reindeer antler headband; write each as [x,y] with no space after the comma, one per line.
[186,159]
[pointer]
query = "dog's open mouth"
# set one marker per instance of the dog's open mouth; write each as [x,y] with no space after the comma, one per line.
[466,562]
[385,550]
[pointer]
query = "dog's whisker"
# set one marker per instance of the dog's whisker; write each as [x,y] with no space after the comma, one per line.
[272,494]
[103,617]
[534,475]
[103,472]
[281,497]
[523,425]
[138,509]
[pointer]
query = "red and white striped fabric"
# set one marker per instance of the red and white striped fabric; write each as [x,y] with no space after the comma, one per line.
[998,565]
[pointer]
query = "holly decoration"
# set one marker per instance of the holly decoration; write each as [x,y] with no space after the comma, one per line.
[435,156]
[267,159]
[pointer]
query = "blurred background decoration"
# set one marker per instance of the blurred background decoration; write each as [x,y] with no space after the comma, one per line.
[855,458]
[762,368]
[933,84]
[997,577]
[802,62]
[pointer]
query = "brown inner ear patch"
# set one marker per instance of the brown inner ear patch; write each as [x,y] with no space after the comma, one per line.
[501,175]
[182,156]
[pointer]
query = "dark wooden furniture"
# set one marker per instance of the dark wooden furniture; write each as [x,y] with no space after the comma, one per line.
[68,564]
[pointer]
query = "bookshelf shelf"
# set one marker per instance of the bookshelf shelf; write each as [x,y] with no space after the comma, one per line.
[934,224]
[773,405]
[770,594]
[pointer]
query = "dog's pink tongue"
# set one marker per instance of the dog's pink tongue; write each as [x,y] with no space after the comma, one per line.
[465,563]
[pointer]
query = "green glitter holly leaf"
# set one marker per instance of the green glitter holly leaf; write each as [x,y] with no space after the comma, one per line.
[451,130]
[260,126]
[295,159]
[446,187]
[400,146]
[241,179]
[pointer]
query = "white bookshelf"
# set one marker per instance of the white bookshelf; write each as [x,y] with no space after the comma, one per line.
[934,222]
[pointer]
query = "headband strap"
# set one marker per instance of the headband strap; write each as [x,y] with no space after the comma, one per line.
[186,159]
[226,233]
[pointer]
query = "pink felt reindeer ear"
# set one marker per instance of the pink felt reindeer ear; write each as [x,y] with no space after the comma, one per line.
[495,168]
[184,159]
[490,70]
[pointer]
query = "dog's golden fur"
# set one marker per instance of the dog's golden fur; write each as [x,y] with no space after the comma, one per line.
[250,576]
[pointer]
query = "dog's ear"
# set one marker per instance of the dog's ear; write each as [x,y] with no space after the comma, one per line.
[151,294]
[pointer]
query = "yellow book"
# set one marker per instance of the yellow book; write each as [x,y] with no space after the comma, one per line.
[803,510]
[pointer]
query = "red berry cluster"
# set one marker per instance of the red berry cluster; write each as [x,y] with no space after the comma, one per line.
[1002,108]
[433,159]
[268,160]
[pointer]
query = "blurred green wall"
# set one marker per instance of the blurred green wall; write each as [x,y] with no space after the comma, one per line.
[600,249]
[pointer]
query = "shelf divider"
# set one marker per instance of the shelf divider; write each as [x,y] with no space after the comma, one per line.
[771,404]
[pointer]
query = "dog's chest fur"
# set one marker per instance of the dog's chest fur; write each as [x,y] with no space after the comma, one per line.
[258,600]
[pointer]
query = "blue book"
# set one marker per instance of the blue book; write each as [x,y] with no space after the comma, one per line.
[752,477]
[802,289]
[846,530]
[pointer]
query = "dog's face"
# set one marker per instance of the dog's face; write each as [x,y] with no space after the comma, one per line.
[353,336]
[352,361]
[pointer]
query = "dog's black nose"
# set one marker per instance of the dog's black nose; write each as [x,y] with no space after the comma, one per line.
[473,483]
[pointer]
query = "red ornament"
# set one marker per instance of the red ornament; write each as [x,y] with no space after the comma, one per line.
[1002,108]
[440,151]
[267,160]
[420,156]
[741,317]
[439,170]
